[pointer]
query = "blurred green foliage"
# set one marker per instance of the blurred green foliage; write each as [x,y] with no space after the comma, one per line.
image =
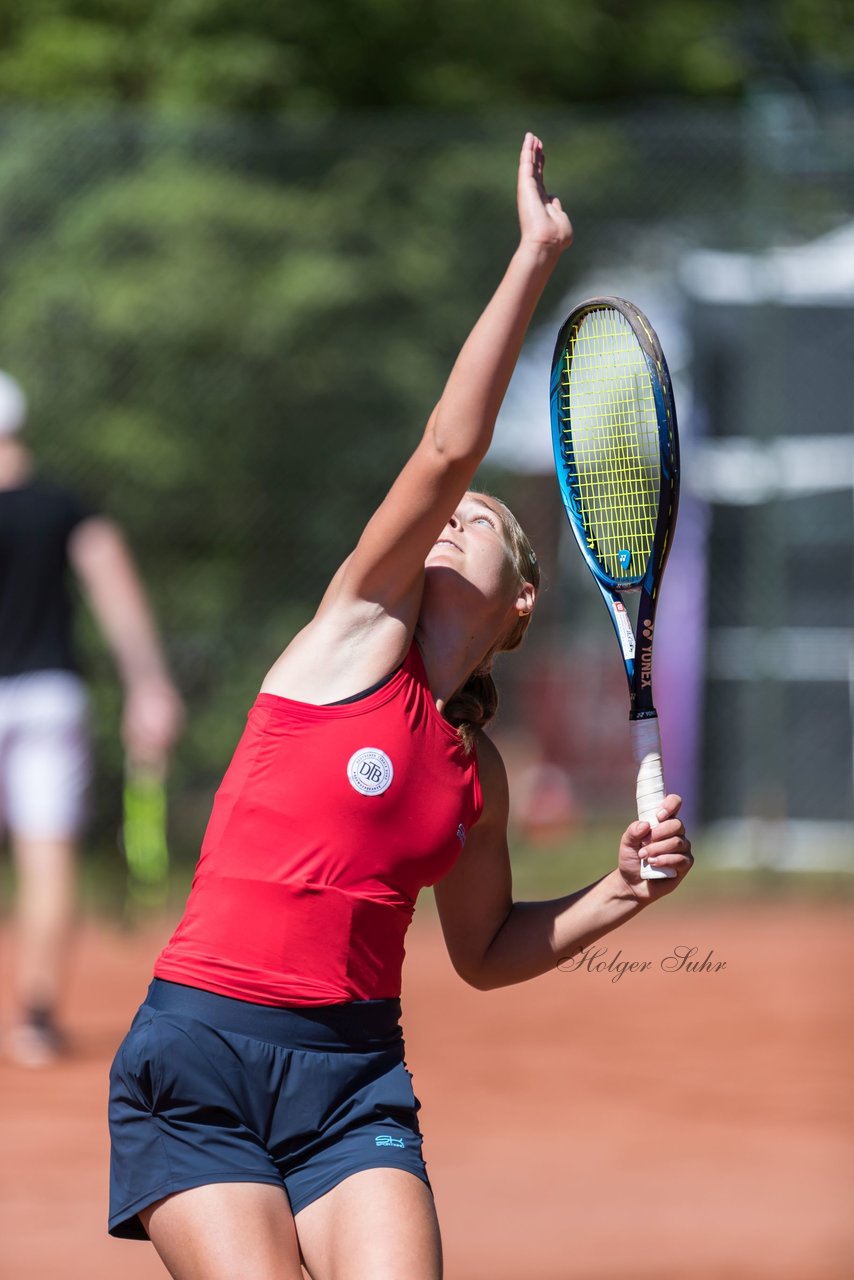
[233,281]
[231,333]
[230,340]
[342,55]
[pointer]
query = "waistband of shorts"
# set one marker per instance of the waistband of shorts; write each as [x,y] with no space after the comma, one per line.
[358,1026]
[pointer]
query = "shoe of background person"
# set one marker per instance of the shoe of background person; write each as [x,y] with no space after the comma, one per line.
[36,1041]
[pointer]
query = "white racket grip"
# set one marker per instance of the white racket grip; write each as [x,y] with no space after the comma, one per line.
[646,749]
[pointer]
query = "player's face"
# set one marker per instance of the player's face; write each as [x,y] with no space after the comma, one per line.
[474,543]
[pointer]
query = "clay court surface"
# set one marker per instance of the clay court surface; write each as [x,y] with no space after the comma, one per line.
[665,1125]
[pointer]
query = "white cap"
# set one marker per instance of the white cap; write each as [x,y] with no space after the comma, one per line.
[13,405]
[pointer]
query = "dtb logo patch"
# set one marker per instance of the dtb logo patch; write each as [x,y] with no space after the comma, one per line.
[370,771]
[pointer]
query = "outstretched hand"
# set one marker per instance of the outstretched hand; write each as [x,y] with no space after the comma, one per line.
[665,845]
[542,220]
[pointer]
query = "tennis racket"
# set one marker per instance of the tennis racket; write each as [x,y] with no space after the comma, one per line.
[617,457]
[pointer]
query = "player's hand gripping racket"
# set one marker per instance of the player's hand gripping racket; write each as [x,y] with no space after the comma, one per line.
[617,457]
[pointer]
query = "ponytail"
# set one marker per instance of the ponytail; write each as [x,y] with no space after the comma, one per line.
[473,706]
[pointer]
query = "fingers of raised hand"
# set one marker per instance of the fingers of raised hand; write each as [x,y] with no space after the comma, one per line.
[539,157]
[531,159]
[542,218]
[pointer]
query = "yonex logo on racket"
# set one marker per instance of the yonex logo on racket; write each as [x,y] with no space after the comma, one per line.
[370,771]
[646,668]
[646,654]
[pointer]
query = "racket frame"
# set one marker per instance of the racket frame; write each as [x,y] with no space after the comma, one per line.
[635,640]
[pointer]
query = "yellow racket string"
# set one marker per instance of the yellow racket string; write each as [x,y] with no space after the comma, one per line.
[609,434]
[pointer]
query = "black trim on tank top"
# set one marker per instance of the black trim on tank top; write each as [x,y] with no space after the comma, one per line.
[366,693]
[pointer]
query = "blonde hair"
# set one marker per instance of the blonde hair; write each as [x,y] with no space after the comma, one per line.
[475,703]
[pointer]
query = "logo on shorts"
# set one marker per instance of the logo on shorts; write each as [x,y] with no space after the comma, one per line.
[386,1140]
[370,771]
[461,834]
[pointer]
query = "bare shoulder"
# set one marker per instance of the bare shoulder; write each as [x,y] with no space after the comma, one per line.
[338,654]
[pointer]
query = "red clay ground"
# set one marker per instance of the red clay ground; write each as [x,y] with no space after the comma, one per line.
[664,1126]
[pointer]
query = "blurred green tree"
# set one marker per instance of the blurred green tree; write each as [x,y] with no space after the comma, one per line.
[224,321]
[460,54]
[220,334]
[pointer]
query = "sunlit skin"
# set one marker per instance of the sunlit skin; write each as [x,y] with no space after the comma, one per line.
[474,545]
[472,590]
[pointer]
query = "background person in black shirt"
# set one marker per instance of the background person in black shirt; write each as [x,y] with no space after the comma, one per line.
[44,750]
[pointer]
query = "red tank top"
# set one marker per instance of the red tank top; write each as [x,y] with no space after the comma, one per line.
[328,822]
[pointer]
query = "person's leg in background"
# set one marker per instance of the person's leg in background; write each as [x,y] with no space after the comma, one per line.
[46,774]
[45,905]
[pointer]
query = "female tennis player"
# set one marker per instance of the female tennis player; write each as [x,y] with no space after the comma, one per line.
[262,1115]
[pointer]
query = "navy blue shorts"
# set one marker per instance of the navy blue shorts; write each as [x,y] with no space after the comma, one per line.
[208,1089]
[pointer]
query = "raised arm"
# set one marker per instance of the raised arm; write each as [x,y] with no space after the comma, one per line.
[496,942]
[389,558]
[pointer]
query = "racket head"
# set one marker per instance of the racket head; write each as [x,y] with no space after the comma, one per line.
[616,443]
